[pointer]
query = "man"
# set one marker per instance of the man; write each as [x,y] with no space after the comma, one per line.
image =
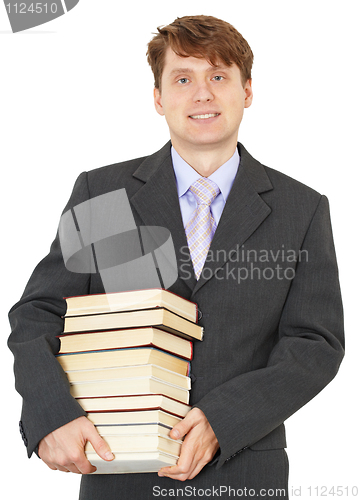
[268,291]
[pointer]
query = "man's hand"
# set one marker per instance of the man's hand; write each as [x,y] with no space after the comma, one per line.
[63,449]
[198,448]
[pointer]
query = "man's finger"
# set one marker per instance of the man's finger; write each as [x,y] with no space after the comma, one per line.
[196,470]
[72,468]
[184,464]
[183,427]
[100,445]
[84,467]
[179,471]
[75,461]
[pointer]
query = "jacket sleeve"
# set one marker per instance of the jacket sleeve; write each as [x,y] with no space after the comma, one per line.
[36,320]
[305,359]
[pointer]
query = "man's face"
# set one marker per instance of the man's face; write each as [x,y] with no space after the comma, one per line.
[203,104]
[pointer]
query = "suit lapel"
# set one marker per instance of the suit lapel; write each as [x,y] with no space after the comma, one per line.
[157,204]
[244,211]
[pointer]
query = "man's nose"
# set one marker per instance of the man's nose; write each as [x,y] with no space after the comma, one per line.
[203,92]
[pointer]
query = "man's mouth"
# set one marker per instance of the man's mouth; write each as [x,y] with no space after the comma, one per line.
[204,117]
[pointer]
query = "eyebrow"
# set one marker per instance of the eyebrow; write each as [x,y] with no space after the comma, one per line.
[177,71]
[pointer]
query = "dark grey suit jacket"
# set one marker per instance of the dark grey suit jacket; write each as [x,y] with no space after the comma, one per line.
[270,300]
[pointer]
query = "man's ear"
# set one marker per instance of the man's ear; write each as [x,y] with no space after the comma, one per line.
[248,93]
[157,102]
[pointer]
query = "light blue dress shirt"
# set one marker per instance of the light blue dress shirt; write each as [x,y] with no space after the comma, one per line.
[185,175]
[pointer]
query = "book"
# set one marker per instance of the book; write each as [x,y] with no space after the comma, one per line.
[136,453]
[132,403]
[139,443]
[134,386]
[125,463]
[131,300]
[127,358]
[117,339]
[123,357]
[132,371]
[129,418]
[158,317]
[131,429]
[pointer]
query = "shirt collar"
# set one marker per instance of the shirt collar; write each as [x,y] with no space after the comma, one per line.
[185,175]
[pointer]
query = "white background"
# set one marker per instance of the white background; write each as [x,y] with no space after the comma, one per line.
[76,94]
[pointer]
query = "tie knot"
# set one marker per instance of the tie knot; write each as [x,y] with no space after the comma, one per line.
[204,190]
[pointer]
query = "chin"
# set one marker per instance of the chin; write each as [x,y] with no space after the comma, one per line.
[207,140]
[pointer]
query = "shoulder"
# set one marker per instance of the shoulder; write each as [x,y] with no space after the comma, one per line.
[130,174]
[114,176]
[278,189]
[294,204]
[291,189]
[102,180]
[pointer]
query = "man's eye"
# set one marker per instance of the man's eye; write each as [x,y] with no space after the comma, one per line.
[183,80]
[218,78]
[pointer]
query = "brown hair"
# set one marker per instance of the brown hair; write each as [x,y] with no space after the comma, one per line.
[203,37]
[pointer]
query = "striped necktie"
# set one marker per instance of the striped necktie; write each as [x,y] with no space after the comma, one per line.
[201,227]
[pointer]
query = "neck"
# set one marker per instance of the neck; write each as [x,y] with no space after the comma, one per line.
[205,159]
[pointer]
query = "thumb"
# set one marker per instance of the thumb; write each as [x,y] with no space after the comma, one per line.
[182,428]
[100,445]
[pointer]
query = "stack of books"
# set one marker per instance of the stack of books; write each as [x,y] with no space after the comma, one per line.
[127,357]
